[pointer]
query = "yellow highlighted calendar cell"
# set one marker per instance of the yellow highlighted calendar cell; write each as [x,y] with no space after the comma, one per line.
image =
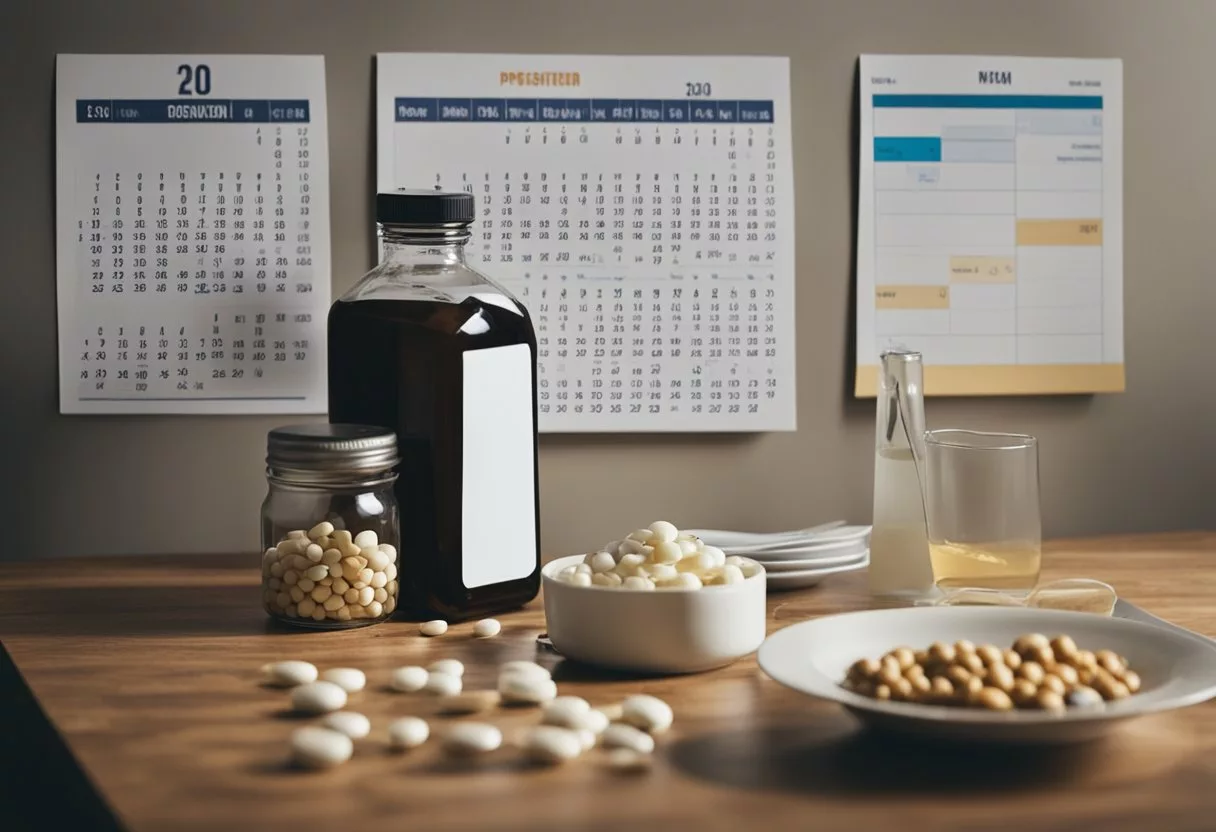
[1006,379]
[1059,232]
[982,270]
[912,297]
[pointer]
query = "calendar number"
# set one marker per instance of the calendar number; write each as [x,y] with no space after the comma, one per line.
[695,89]
[199,75]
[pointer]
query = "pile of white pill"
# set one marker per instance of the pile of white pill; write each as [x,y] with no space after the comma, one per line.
[328,574]
[659,556]
[568,727]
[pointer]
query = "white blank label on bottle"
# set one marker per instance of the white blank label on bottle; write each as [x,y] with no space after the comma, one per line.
[499,494]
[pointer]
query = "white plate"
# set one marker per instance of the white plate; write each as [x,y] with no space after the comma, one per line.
[812,564]
[1177,669]
[854,548]
[810,577]
[831,534]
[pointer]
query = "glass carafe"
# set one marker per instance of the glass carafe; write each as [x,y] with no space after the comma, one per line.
[899,546]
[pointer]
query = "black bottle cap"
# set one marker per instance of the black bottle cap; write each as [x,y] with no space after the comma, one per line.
[418,206]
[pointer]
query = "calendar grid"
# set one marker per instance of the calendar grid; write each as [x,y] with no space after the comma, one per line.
[193,236]
[649,237]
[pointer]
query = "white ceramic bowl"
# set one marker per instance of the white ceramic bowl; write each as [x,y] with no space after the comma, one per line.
[664,631]
[1177,669]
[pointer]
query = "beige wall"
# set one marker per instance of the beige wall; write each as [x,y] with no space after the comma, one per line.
[1143,460]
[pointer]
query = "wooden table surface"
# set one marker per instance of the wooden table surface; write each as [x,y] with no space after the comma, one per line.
[143,711]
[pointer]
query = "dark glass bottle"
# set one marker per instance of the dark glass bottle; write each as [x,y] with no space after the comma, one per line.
[436,351]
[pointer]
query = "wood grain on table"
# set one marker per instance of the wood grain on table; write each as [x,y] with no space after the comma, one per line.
[148,668]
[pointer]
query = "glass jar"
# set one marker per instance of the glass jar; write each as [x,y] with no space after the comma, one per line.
[330,525]
[427,346]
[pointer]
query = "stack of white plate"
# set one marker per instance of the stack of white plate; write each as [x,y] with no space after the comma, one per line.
[801,558]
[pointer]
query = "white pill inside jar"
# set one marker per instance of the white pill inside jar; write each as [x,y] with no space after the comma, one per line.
[467,738]
[314,553]
[366,539]
[551,744]
[317,747]
[452,667]
[408,732]
[620,735]
[354,725]
[443,684]
[409,679]
[350,679]
[649,713]
[289,673]
[487,628]
[318,698]
[376,559]
[322,529]
[437,627]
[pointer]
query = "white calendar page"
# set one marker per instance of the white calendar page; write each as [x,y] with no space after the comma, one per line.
[192,225]
[990,223]
[640,207]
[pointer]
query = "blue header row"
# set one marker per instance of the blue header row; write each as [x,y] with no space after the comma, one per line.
[583,109]
[993,102]
[177,111]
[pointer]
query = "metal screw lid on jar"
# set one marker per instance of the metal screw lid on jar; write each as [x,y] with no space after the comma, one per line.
[330,453]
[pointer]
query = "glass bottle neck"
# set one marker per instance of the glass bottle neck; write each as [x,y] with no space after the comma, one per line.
[414,246]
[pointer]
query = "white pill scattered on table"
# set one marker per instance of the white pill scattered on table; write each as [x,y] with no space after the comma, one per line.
[663,531]
[409,679]
[520,689]
[551,744]
[289,673]
[437,627]
[523,668]
[316,747]
[626,760]
[318,698]
[613,711]
[566,711]
[452,667]
[595,721]
[620,735]
[443,684]
[408,732]
[587,738]
[487,628]
[466,738]
[355,725]
[649,713]
[350,679]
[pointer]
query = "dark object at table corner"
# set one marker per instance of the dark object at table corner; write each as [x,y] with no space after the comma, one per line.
[45,788]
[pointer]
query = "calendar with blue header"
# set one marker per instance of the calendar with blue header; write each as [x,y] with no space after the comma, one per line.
[640,207]
[192,216]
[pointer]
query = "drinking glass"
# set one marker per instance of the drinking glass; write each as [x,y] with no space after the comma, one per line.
[982,509]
